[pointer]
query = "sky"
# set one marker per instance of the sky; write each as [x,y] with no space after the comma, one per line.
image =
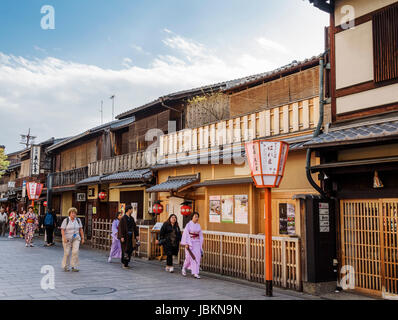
[53,80]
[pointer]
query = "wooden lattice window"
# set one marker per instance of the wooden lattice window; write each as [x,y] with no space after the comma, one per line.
[385,44]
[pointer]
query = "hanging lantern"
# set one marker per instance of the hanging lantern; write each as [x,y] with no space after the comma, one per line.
[186,208]
[45,203]
[157,208]
[102,195]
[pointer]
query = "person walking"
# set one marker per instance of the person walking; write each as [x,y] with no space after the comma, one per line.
[20,220]
[12,223]
[50,223]
[72,237]
[30,223]
[128,234]
[170,237]
[192,239]
[3,222]
[116,249]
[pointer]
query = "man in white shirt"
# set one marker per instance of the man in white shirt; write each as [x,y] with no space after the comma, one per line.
[72,236]
[3,222]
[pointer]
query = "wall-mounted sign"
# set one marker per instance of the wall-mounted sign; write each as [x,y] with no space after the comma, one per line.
[81,197]
[215,209]
[23,189]
[324,221]
[94,210]
[122,208]
[91,192]
[35,161]
[134,206]
[241,209]
[11,184]
[227,209]
[287,219]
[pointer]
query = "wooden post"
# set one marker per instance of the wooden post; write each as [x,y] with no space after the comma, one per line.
[268,241]
[248,271]
[221,250]
[284,266]
[149,245]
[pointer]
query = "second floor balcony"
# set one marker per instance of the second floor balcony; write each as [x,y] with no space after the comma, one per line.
[70,177]
[126,162]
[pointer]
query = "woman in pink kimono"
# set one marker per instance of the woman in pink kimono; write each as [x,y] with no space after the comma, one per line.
[192,239]
[29,225]
[13,220]
[116,249]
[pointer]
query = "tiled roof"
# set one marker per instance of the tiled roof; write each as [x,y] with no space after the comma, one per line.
[114,125]
[89,180]
[174,184]
[225,85]
[356,133]
[136,175]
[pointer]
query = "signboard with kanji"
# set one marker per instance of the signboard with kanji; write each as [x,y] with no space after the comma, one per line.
[35,161]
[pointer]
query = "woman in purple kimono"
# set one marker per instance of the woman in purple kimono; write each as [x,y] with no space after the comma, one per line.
[116,249]
[192,239]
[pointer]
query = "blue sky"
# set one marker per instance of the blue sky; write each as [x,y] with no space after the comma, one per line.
[137,50]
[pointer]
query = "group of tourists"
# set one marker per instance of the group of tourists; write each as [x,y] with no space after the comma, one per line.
[125,239]
[24,223]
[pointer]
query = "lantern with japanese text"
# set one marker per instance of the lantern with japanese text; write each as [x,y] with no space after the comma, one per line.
[102,195]
[186,208]
[34,191]
[45,203]
[157,208]
[267,160]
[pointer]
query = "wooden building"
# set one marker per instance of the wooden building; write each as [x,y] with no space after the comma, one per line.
[23,168]
[206,164]
[358,150]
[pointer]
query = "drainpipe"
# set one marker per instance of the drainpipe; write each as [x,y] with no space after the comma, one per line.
[319,126]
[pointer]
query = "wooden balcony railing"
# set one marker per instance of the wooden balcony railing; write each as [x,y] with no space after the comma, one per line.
[126,162]
[70,177]
[282,120]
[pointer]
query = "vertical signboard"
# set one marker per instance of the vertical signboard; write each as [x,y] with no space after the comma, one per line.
[35,161]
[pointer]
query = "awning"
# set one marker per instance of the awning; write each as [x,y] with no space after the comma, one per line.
[90,181]
[129,176]
[175,184]
[363,132]
[222,182]
[353,163]
[63,189]
[3,199]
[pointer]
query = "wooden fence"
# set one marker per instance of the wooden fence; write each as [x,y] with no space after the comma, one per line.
[231,254]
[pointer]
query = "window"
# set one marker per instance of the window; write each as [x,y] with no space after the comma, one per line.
[385,44]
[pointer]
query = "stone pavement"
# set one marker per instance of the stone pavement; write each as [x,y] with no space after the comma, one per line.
[20,278]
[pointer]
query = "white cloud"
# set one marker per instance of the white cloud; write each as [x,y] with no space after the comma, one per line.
[271,45]
[62,98]
[127,62]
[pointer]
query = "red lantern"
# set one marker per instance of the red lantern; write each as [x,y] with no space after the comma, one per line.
[186,209]
[102,195]
[45,203]
[157,208]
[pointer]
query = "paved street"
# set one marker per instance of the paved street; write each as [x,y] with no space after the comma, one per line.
[20,278]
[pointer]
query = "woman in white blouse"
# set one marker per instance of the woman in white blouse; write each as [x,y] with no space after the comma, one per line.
[72,236]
